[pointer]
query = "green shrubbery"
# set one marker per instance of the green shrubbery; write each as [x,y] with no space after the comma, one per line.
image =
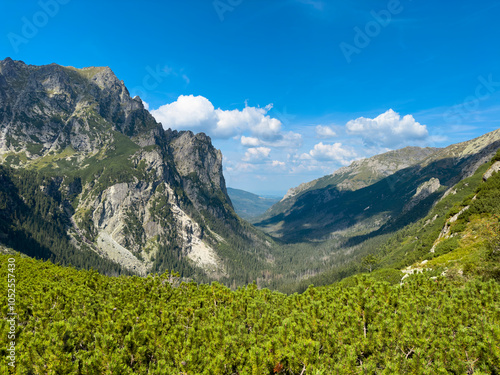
[446,246]
[79,322]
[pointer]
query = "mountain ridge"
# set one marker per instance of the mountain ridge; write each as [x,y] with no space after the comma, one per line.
[292,218]
[389,162]
[358,174]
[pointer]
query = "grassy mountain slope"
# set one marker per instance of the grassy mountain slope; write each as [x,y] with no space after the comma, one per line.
[470,248]
[395,200]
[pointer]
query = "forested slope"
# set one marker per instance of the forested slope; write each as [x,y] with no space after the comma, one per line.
[80,322]
[36,222]
[471,247]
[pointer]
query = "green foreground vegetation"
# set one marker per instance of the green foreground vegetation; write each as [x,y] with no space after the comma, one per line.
[81,322]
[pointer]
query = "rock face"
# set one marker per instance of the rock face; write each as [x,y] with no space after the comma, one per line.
[445,232]
[144,197]
[51,107]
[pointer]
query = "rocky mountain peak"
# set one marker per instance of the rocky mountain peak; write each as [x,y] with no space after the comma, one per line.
[55,107]
[130,191]
[8,63]
[194,153]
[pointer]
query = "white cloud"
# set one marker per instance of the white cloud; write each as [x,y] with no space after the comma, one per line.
[198,113]
[331,152]
[285,140]
[246,167]
[325,132]
[277,163]
[239,168]
[388,129]
[253,119]
[188,112]
[290,139]
[250,141]
[256,154]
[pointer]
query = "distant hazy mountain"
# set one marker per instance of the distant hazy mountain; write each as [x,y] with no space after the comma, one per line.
[248,205]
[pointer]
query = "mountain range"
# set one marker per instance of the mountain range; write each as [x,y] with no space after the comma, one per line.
[385,190]
[90,178]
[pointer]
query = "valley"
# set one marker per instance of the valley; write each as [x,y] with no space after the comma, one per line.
[133,256]
[92,180]
[250,206]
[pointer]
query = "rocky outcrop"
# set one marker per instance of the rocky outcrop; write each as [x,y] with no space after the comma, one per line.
[424,191]
[132,220]
[495,168]
[445,232]
[198,163]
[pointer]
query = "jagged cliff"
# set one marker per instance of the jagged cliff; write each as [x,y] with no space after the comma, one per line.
[130,191]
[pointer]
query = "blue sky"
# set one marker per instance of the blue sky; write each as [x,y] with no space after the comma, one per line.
[289,90]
